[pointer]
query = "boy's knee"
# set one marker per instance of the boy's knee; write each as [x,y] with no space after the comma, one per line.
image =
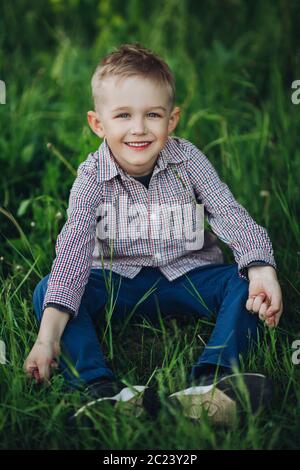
[38,296]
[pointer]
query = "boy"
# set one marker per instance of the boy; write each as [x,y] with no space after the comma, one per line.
[139,163]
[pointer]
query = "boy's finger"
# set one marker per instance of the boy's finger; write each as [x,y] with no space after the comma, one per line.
[44,370]
[249,302]
[262,311]
[36,375]
[273,320]
[29,368]
[32,372]
[258,302]
[278,314]
[275,304]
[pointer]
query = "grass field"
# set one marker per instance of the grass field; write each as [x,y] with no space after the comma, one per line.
[234,62]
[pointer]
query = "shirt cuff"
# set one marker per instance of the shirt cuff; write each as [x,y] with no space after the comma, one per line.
[258,258]
[63,295]
[61,308]
[258,263]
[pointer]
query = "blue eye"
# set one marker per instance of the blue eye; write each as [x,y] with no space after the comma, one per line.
[127,114]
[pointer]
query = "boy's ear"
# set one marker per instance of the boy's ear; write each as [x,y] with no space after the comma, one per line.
[95,123]
[173,119]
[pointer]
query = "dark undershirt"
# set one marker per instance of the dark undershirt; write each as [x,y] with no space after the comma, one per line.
[145,180]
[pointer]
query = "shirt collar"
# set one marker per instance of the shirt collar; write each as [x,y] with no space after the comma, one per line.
[108,167]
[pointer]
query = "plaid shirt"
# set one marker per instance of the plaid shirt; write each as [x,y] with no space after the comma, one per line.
[182,174]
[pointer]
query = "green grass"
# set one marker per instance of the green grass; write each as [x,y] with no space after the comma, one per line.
[234,87]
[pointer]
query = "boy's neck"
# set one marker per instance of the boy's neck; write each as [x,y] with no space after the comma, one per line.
[144,174]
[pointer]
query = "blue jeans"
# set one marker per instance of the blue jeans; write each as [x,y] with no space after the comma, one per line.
[216,292]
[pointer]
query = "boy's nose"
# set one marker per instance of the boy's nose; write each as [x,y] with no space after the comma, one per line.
[139,127]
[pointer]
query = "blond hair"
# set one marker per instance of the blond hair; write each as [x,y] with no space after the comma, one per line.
[130,60]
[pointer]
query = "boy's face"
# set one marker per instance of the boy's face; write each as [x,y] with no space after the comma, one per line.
[145,117]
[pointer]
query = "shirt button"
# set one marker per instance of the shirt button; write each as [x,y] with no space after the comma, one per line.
[157,256]
[153,216]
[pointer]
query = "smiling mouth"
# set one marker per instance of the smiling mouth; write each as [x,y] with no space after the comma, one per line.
[138,145]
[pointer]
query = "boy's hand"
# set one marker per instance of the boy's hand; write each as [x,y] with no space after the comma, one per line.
[265,296]
[40,360]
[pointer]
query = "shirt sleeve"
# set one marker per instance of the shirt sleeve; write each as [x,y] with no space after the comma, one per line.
[61,308]
[257,263]
[75,243]
[253,263]
[228,219]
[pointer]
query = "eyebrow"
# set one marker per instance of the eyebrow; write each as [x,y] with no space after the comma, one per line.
[128,107]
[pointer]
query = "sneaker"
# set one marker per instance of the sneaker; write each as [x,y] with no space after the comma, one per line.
[224,398]
[132,399]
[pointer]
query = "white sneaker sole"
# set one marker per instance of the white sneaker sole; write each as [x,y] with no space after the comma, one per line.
[198,401]
[130,399]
